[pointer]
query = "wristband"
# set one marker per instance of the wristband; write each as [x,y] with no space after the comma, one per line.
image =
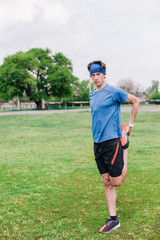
[130,125]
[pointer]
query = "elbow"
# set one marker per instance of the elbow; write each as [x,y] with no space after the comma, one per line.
[138,102]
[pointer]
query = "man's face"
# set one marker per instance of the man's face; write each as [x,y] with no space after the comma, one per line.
[98,79]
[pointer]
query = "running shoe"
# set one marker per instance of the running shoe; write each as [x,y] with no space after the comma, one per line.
[110,225]
[124,140]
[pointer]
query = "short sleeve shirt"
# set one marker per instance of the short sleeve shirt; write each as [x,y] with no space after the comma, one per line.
[106,115]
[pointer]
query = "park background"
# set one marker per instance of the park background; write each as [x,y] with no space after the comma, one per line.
[50,186]
[69,34]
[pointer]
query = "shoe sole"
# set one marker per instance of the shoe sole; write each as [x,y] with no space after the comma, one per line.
[117,226]
[124,140]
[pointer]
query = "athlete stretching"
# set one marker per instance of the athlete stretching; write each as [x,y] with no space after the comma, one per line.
[110,148]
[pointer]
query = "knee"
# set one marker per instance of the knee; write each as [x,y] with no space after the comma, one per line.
[117,184]
[106,182]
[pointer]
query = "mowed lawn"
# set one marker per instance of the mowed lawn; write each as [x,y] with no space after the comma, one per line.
[50,187]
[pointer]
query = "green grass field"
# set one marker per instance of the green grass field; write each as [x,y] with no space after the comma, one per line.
[50,187]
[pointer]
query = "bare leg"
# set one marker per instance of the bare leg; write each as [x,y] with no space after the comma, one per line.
[110,193]
[110,183]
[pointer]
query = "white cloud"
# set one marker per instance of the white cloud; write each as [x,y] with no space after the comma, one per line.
[14,11]
[123,33]
[25,10]
[55,12]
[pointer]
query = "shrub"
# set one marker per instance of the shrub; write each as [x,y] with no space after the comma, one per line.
[155,96]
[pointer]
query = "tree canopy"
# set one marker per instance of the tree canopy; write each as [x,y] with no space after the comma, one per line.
[36,74]
[153,91]
[82,91]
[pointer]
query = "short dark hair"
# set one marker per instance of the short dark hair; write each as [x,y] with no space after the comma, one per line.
[103,65]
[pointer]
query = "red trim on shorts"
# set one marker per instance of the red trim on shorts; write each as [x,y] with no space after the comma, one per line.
[115,155]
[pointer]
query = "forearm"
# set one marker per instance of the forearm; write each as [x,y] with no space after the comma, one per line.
[134,111]
[135,105]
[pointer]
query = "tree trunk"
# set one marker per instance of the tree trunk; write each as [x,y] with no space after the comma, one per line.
[43,104]
[39,104]
[18,104]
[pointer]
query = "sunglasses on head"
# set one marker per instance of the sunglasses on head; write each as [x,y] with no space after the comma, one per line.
[97,61]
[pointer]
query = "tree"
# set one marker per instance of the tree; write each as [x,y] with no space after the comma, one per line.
[129,86]
[36,74]
[82,91]
[153,92]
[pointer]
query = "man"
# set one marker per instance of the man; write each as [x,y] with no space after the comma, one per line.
[110,148]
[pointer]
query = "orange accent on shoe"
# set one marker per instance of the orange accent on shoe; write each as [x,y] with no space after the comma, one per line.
[123,141]
[123,126]
[115,155]
[102,228]
[124,136]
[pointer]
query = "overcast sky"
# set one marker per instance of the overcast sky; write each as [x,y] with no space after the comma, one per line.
[125,34]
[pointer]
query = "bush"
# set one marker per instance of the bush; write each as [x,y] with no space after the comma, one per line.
[155,96]
[152,92]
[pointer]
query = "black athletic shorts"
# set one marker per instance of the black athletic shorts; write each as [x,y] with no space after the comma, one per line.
[109,157]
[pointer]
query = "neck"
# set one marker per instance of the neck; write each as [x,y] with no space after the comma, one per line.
[100,87]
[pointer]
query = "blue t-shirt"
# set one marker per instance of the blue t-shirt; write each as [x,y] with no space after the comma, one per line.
[106,115]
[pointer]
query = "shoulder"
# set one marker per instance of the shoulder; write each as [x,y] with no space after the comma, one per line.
[113,89]
[119,95]
[116,90]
